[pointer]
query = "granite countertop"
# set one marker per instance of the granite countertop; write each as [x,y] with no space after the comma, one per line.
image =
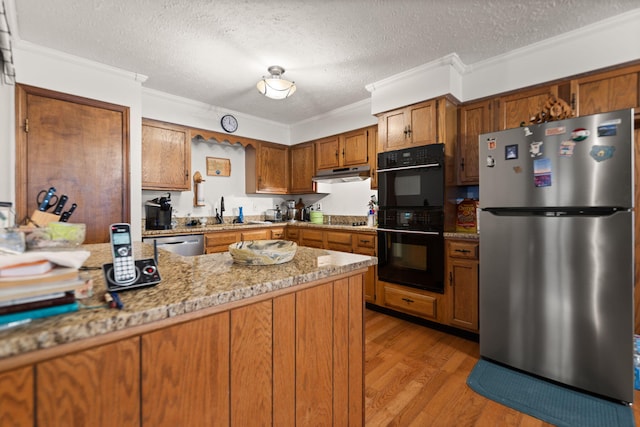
[461,235]
[188,284]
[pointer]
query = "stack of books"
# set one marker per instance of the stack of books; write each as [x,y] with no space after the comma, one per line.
[37,289]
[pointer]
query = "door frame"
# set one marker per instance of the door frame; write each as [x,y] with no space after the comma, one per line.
[21,93]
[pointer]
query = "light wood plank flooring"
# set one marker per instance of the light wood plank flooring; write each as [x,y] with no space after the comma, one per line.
[416,376]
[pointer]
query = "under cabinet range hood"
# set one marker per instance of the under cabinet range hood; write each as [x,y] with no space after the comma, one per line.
[347,174]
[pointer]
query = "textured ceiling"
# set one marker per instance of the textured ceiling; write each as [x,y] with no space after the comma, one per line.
[216,51]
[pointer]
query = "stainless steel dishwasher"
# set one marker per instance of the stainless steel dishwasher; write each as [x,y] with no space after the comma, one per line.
[186,245]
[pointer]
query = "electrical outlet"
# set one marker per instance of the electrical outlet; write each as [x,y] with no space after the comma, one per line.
[318,206]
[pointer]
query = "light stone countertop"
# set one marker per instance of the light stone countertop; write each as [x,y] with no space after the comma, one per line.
[461,235]
[188,284]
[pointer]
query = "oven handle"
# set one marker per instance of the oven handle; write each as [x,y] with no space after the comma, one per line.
[393,230]
[430,165]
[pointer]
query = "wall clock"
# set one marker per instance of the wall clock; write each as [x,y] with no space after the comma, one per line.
[229,123]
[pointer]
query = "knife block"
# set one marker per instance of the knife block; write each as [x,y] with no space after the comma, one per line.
[41,219]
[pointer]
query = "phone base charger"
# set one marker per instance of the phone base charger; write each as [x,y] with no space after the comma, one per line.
[147,274]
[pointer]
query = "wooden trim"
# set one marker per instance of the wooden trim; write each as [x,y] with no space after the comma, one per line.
[219,137]
[21,94]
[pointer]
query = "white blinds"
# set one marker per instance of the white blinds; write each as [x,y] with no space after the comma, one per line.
[6,57]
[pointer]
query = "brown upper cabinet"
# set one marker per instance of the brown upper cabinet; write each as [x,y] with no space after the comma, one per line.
[347,149]
[266,168]
[608,91]
[410,126]
[475,118]
[166,156]
[301,158]
[518,108]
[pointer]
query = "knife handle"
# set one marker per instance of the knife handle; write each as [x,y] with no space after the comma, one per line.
[60,205]
[65,215]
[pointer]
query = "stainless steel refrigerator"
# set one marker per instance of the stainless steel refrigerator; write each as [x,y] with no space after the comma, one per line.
[557,251]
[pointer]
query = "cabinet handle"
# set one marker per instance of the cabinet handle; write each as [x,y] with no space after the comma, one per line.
[343,153]
[450,278]
[464,251]
[409,130]
[462,163]
[364,241]
[573,101]
[408,300]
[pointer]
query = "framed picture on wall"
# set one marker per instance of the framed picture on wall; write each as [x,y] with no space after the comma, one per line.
[218,167]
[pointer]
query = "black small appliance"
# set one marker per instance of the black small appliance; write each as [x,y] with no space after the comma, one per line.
[158,213]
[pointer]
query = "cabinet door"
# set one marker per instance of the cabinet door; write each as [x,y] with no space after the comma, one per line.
[365,244]
[166,156]
[293,234]
[610,91]
[95,387]
[312,238]
[16,397]
[261,234]
[314,356]
[251,365]
[328,152]
[220,241]
[185,377]
[354,150]
[302,168]
[339,241]
[277,233]
[273,175]
[475,119]
[462,269]
[393,130]
[423,123]
[518,109]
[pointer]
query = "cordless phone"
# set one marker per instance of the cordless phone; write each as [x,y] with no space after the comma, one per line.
[124,266]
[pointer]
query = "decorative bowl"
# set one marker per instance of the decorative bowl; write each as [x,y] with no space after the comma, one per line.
[262,252]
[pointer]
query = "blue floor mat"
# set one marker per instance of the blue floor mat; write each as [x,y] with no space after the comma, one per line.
[555,404]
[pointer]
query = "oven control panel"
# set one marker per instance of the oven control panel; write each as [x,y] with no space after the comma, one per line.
[415,156]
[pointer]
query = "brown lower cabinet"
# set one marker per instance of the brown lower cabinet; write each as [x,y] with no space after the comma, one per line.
[457,306]
[295,359]
[219,241]
[344,241]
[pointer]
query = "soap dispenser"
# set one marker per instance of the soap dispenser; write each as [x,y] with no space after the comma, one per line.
[240,215]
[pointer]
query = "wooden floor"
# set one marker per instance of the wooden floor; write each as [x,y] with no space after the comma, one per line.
[416,376]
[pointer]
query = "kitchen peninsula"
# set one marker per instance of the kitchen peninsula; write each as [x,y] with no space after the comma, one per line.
[215,343]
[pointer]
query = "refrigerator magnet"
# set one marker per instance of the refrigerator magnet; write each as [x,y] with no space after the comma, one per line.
[602,152]
[580,134]
[511,152]
[527,132]
[555,131]
[542,172]
[566,148]
[491,144]
[535,149]
[491,162]
[608,128]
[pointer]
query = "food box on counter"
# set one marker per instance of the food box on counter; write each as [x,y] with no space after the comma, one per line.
[466,218]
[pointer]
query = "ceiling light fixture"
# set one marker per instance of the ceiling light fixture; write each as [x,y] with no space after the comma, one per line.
[274,86]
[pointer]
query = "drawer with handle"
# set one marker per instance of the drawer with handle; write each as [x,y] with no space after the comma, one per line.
[466,250]
[411,302]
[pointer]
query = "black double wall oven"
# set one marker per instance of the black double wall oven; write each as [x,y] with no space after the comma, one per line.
[411,217]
